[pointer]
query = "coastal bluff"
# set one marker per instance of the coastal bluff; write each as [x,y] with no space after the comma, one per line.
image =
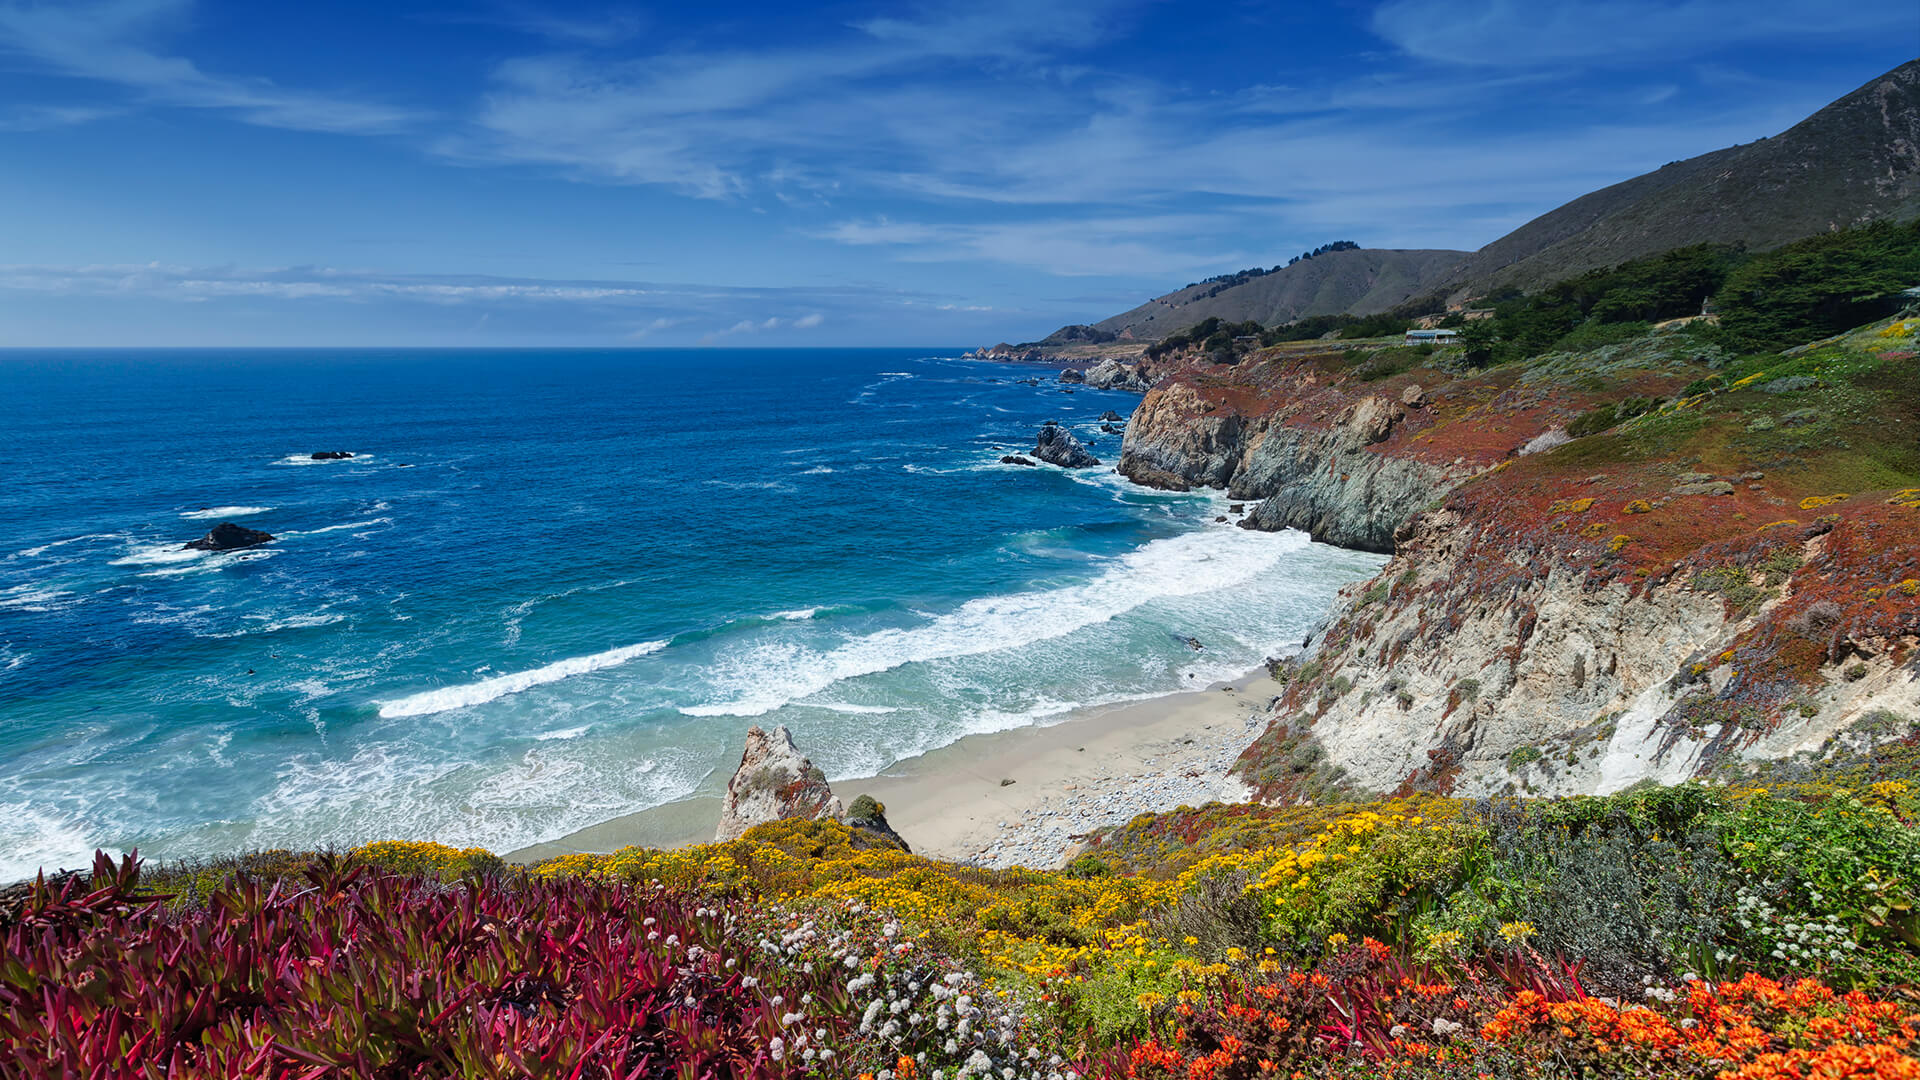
[1581,598]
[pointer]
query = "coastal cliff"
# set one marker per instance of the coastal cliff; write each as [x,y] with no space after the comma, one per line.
[1690,592]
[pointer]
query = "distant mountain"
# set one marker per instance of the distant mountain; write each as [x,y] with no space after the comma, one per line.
[1363,281]
[1857,160]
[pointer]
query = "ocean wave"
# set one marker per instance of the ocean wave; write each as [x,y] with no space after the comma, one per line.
[215,512]
[368,524]
[766,677]
[32,840]
[160,555]
[564,733]
[36,552]
[36,598]
[479,693]
[213,560]
[817,470]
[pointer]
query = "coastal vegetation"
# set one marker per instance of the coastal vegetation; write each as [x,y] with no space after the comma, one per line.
[1719,931]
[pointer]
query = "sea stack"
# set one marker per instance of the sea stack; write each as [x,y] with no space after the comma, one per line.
[227,536]
[774,781]
[1058,446]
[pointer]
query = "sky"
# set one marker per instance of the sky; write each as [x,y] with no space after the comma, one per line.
[515,172]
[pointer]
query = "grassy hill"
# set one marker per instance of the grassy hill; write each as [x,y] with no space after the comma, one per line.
[1362,282]
[1857,160]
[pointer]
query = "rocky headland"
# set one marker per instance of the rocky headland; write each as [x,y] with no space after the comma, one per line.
[1682,594]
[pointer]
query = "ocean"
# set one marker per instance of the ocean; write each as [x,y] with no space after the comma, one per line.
[554,587]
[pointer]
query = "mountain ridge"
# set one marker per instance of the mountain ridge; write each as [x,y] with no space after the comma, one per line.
[1853,161]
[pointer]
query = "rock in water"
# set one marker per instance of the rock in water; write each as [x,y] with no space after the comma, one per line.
[227,536]
[331,455]
[1073,375]
[1112,417]
[775,781]
[1057,446]
[1014,459]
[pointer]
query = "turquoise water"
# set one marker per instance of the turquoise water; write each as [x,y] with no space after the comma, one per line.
[556,587]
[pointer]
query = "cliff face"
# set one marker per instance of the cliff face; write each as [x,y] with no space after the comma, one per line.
[1330,448]
[1732,577]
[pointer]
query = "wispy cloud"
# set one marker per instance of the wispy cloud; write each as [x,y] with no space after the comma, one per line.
[1613,33]
[43,117]
[107,41]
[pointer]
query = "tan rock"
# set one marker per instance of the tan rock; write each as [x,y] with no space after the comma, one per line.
[774,781]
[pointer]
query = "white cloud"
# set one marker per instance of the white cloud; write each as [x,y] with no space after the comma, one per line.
[103,40]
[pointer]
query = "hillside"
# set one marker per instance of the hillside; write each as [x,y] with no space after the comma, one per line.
[1854,161]
[1361,282]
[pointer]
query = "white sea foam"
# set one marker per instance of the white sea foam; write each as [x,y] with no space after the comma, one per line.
[479,693]
[368,524]
[160,555]
[565,733]
[845,707]
[817,470]
[36,598]
[32,840]
[797,614]
[213,512]
[214,560]
[770,675]
[309,459]
[36,552]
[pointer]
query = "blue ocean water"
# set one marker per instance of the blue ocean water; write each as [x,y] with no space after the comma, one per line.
[553,587]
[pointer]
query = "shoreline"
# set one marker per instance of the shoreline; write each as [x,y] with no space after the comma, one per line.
[1100,766]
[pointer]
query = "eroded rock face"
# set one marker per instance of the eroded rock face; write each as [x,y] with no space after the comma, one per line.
[1115,375]
[227,536]
[1555,685]
[1326,484]
[774,781]
[1058,446]
[1371,418]
[1174,442]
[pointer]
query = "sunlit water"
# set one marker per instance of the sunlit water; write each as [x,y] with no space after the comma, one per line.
[556,587]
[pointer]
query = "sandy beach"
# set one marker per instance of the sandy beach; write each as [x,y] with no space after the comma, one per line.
[1099,767]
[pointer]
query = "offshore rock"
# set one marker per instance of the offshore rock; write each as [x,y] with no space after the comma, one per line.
[1073,375]
[775,781]
[1015,459]
[227,536]
[331,455]
[1058,446]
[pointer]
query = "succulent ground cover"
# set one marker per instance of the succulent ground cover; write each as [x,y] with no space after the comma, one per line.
[1697,931]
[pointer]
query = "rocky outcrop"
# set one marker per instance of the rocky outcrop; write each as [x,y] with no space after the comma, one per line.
[1015,459]
[774,781]
[331,455]
[227,536]
[1058,446]
[1176,441]
[1326,484]
[1007,354]
[869,815]
[1111,374]
[1073,375]
[1325,481]
[1456,670]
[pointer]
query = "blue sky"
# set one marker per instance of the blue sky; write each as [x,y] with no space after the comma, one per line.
[511,172]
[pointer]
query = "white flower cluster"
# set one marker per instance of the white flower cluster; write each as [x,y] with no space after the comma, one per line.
[1810,941]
